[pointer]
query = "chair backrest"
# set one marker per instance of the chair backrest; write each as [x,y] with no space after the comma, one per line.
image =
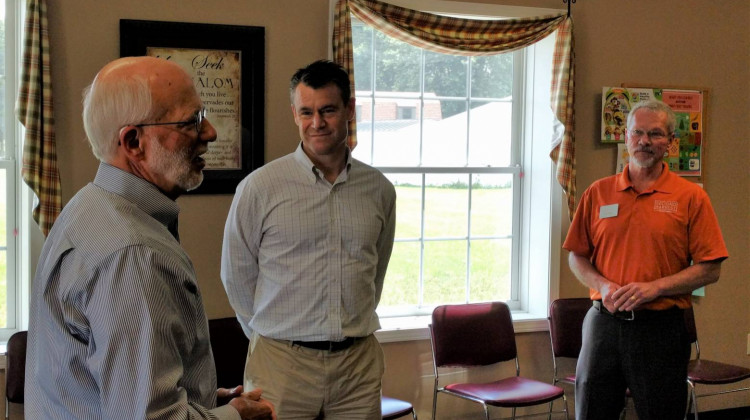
[566,325]
[15,374]
[229,345]
[690,325]
[475,334]
[692,331]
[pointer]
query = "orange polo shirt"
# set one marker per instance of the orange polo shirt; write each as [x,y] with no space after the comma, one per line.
[640,237]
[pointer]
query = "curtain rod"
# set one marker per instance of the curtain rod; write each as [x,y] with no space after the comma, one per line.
[569,2]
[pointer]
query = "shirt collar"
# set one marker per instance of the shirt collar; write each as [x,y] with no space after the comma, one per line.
[145,195]
[311,172]
[661,184]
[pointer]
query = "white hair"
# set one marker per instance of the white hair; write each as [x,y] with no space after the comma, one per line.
[109,105]
[654,105]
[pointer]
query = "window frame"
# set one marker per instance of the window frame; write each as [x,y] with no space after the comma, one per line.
[545,203]
[19,200]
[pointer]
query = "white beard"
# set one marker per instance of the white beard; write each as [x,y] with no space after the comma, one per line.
[176,167]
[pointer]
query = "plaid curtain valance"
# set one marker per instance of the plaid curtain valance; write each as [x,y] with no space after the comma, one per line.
[34,110]
[473,37]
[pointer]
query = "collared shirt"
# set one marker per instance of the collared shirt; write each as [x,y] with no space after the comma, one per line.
[640,237]
[304,259]
[117,325]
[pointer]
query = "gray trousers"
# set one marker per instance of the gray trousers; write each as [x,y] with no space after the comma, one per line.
[649,355]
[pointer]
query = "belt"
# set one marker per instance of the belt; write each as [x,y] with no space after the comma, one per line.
[641,315]
[331,346]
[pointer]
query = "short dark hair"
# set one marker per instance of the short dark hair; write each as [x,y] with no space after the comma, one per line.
[322,73]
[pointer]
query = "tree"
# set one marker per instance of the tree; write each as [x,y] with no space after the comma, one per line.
[399,67]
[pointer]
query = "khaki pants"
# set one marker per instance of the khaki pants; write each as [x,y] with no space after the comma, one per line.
[305,384]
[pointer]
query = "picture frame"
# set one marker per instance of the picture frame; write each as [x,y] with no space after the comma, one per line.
[226,63]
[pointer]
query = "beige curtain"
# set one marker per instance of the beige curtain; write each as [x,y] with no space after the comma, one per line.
[473,37]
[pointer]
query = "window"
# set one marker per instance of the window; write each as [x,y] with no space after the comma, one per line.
[10,199]
[465,140]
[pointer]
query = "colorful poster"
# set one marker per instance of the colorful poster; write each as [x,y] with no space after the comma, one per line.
[684,155]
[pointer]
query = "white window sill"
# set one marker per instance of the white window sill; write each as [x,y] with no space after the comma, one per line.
[416,327]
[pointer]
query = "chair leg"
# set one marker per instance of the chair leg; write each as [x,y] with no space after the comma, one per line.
[549,415]
[689,401]
[695,403]
[434,402]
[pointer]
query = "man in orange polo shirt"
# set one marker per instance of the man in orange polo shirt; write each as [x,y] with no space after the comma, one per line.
[642,241]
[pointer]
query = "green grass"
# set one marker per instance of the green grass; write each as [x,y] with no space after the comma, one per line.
[445,261]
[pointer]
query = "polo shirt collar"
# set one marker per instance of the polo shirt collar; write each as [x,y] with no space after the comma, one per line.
[662,184]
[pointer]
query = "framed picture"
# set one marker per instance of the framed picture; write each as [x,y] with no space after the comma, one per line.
[227,65]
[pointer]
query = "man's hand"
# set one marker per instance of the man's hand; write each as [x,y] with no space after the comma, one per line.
[224,395]
[633,295]
[250,405]
[607,290]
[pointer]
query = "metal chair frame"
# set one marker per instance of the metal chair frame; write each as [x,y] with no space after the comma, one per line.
[571,316]
[739,373]
[485,406]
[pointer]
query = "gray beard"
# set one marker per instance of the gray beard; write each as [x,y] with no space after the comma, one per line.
[175,165]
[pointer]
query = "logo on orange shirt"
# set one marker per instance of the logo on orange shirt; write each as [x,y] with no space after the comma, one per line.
[665,206]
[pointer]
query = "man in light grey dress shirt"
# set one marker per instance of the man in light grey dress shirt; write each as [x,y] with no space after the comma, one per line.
[306,246]
[117,324]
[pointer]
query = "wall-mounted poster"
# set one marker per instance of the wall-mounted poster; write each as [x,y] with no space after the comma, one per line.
[685,154]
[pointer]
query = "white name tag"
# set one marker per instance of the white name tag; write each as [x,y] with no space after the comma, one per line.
[608,211]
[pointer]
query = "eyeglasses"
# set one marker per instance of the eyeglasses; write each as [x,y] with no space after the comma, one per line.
[653,135]
[197,120]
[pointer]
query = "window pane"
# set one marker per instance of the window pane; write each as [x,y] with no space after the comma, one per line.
[396,142]
[490,270]
[363,150]
[445,75]
[446,206]
[408,205]
[3,249]
[5,150]
[490,133]
[398,65]
[402,278]
[492,76]
[444,272]
[362,47]
[445,139]
[492,205]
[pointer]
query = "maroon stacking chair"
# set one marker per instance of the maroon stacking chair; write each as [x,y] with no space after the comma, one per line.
[229,346]
[709,372]
[394,409]
[565,332]
[481,334]
[15,377]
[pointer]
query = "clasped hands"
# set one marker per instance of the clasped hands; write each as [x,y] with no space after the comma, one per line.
[627,298]
[249,404]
